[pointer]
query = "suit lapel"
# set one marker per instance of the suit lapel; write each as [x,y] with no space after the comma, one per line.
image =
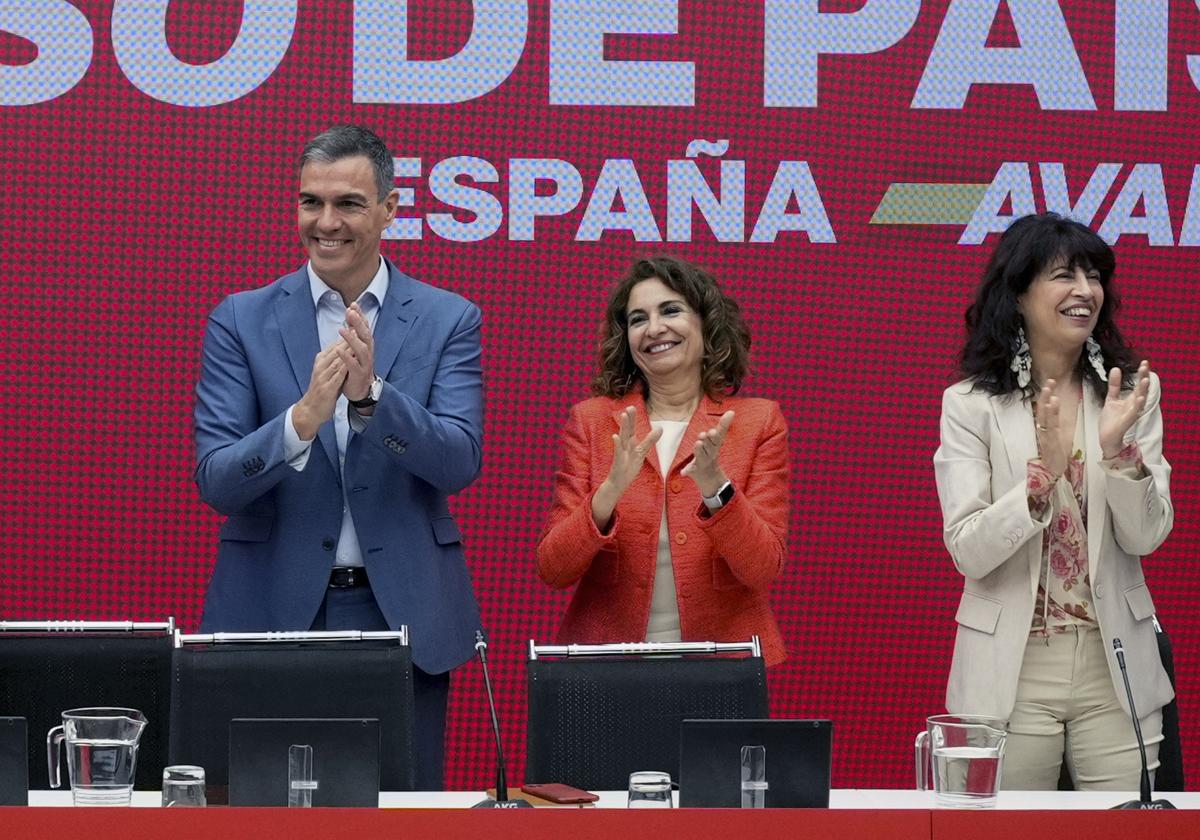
[396,317]
[1014,420]
[1014,417]
[298,327]
[1097,506]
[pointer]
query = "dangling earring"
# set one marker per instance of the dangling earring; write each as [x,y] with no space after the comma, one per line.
[1096,358]
[1022,362]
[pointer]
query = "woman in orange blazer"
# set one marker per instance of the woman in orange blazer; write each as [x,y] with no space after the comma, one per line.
[671,499]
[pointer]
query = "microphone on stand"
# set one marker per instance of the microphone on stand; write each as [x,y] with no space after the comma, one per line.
[1144,803]
[501,800]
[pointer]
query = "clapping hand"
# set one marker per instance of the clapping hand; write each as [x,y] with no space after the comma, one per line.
[628,453]
[1049,438]
[704,468]
[357,352]
[1120,412]
[628,456]
[317,405]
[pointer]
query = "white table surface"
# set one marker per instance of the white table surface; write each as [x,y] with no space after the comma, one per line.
[860,799]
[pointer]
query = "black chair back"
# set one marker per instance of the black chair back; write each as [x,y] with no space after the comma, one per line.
[44,674]
[214,683]
[593,721]
[1169,775]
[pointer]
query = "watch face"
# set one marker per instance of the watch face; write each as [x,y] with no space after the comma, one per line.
[723,497]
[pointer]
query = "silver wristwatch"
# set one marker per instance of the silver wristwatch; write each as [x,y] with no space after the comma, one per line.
[372,396]
[722,497]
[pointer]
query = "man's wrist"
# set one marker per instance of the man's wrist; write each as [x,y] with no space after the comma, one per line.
[305,430]
[374,391]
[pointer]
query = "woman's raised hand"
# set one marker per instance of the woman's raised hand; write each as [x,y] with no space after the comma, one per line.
[629,453]
[628,456]
[1121,412]
[1049,437]
[704,468]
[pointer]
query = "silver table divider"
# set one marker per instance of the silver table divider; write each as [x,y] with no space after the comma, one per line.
[400,636]
[751,647]
[165,627]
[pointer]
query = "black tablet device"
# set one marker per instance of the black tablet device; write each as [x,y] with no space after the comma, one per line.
[14,761]
[798,762]
[344,760]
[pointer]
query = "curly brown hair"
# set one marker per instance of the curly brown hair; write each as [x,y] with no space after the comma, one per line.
[726,339]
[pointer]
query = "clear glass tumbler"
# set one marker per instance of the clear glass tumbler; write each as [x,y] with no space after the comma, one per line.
[183,787]
[650,789]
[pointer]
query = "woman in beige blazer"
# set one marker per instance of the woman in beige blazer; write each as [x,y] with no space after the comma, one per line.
[1053,485]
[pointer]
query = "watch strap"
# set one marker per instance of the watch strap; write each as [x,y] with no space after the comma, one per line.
[722,497]
[372,396]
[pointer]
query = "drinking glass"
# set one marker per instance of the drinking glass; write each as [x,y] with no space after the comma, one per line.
[650,789]
[183,787]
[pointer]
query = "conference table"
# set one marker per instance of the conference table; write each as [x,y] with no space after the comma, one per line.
[853,814]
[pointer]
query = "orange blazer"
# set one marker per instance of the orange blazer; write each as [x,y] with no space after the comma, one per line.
[724,563]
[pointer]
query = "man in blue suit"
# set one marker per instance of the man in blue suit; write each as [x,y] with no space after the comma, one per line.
[337,409]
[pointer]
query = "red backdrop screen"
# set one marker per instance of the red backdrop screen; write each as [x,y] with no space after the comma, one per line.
[842,166]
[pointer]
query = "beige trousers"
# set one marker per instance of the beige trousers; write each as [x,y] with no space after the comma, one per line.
[1066,707]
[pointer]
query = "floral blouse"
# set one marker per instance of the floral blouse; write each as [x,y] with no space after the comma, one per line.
[1064,594]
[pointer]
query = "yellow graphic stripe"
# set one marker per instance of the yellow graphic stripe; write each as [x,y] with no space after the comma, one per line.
[928,204]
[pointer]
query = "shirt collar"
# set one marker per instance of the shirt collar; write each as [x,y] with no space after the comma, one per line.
[377,288]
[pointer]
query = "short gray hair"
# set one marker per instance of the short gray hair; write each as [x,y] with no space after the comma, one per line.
[343,141]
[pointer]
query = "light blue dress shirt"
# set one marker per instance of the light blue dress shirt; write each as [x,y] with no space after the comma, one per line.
[331,316]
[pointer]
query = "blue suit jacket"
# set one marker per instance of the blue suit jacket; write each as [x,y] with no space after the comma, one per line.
[422,444]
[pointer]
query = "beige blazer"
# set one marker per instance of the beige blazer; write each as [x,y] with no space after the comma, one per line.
[980,465]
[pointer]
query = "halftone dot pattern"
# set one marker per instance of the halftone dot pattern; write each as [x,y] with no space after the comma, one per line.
[127,219]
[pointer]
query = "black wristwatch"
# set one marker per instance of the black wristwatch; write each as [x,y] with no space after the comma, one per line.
[722,497]
[372,396]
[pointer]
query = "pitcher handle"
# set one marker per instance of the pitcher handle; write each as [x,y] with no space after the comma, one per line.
[921,745]
[54,739]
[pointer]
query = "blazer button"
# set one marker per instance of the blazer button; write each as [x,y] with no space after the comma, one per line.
[328,544]
[681,538]
[676,485]
[1098,591]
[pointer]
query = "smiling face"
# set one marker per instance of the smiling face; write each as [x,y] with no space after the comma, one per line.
[341,220]
[1061,306]
[666,336]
